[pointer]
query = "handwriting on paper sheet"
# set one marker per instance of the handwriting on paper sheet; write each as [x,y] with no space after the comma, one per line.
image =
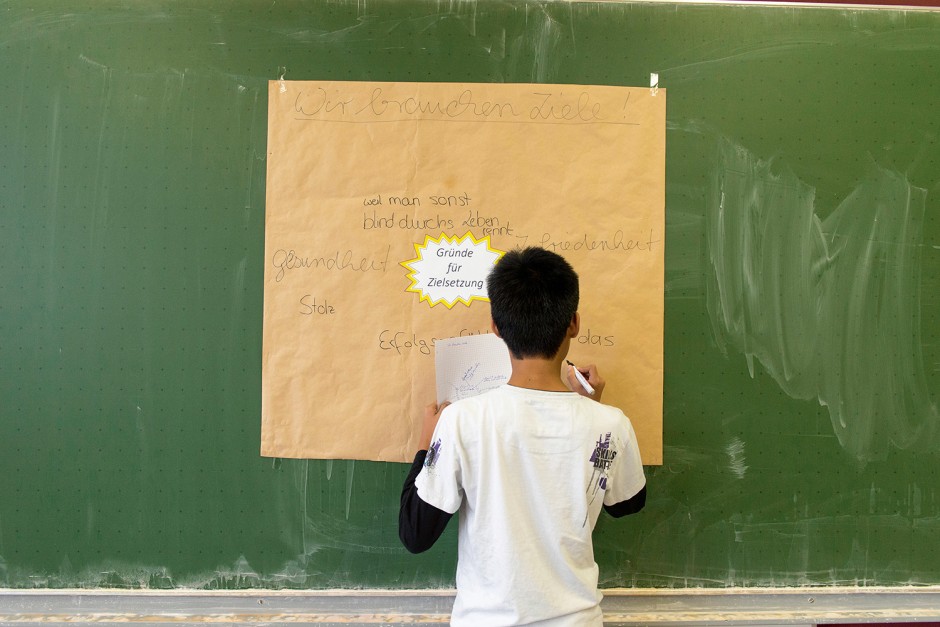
[470,365]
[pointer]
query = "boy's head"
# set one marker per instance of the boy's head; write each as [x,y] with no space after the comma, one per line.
[533,298]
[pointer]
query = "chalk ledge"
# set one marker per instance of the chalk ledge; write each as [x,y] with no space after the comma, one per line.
[327,608]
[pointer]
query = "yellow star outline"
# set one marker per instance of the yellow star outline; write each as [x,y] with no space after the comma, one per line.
[453,239]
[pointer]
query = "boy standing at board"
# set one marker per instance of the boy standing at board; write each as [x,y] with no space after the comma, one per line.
[528,465]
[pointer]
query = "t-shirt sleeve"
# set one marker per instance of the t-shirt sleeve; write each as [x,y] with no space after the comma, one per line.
[439,482]
[626,476]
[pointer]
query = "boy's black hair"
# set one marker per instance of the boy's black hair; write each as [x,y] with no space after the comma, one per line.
[533,297]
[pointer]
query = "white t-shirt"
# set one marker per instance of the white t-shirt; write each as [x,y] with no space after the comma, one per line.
[529,471]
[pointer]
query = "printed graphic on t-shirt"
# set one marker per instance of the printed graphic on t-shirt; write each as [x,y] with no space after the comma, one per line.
[433,453]
[602,458]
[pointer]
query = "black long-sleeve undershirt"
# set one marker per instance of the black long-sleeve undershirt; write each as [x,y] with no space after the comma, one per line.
[631,506]
[420,524]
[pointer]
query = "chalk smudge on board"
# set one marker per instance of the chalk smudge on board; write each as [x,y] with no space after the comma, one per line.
[545,44]
[350,471]
[99,66]
[829,307]
[735,451]
[303,523]
[256,155]
[102,179]
[541,40]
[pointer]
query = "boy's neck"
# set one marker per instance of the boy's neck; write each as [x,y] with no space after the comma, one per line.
[536,373]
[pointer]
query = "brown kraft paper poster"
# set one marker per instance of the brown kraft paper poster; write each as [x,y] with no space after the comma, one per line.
[386,205]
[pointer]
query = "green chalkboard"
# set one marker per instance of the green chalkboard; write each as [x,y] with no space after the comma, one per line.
[802,289]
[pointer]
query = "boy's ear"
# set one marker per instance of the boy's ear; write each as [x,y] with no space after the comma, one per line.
[575,325]
[493,327]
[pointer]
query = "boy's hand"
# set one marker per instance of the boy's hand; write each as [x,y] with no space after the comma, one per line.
[432,413]
[593,377]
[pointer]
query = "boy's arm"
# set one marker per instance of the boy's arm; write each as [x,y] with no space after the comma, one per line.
[592,376]
[626,494]
[419,524]
[631,506]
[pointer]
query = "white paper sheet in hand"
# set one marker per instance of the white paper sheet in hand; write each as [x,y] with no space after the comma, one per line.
[470,365]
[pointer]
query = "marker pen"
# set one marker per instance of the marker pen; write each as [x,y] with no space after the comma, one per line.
[581,379]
